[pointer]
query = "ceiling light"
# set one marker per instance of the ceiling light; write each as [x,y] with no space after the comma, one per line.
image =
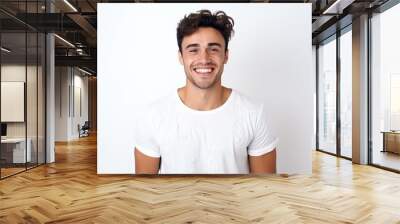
[5,50]
[65,41]
[70,5]
[84,71]
[338,6]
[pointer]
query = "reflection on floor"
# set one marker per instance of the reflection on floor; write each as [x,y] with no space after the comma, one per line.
[10,169]
[386,159]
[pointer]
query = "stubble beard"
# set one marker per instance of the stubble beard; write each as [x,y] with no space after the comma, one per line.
[205,85]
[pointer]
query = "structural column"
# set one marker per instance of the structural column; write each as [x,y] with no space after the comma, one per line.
[360,90]
[50,92]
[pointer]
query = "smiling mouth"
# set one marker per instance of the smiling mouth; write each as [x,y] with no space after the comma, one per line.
[203,71]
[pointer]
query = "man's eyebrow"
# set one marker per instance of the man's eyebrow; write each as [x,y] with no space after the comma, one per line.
[209,44]
[214,44]
[192,45]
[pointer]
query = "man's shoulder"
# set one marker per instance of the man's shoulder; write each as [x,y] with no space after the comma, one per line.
[156,110]
[244,101]
[160,105]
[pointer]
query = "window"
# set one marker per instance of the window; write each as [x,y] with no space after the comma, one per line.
[327,96]
[346,93]
[385,88]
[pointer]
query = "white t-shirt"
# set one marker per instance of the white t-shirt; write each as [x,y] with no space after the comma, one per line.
[216,141]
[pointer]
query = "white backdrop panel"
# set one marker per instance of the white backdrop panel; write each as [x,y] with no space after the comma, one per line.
[270,60]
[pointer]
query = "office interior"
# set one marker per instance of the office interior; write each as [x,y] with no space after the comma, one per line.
[49,92]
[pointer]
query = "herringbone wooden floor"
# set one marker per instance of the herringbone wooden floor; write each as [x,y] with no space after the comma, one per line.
[70,191]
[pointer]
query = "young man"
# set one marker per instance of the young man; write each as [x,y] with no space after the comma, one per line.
[204,127]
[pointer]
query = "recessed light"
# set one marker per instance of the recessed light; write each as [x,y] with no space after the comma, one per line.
[70,5]
[5,49]
[84,71]
[64,40]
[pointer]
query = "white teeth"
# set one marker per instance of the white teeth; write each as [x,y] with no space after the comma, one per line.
[203,70]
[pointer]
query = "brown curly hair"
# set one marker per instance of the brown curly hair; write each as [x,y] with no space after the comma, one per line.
[204,18]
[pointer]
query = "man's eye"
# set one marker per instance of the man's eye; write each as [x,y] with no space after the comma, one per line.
[193,50]
[214,49]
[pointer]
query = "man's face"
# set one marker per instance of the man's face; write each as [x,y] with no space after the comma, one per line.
[203,57]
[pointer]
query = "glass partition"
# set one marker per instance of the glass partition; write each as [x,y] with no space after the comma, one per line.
[22,77]
[32,84]
[327,96]
[41,109]
[32,95]
[13,109]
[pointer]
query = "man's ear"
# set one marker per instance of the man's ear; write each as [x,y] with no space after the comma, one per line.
[226,56]
[180,57]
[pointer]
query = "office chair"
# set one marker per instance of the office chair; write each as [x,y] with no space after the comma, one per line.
[84,130]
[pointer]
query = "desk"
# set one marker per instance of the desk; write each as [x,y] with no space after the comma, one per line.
[16,147]
[391,141]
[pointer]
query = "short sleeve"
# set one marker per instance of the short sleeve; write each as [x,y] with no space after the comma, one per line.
[145,135]
[264,140]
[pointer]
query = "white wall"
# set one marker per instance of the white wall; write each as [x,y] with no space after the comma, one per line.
[68,81]
[80,84]
[270,60]
[61,103]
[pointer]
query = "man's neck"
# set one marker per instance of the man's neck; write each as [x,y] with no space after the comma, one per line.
[204,99]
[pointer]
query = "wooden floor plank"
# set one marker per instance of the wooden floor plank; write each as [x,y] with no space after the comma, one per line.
[70,191]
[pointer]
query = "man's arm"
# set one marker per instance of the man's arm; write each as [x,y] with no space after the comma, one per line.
[263,164]
[146,164]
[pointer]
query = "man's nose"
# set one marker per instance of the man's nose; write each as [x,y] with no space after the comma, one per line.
[205,56]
